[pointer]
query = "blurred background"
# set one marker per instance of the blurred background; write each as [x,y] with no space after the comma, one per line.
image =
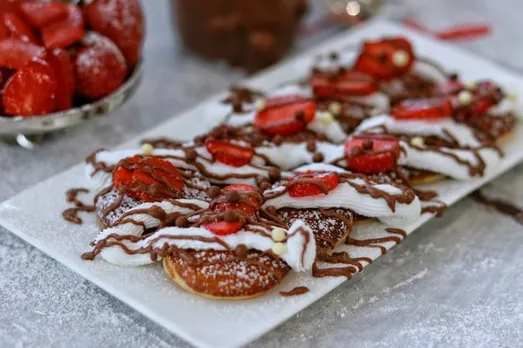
[185,62]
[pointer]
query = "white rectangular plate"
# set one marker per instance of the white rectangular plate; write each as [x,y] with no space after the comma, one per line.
[35,215]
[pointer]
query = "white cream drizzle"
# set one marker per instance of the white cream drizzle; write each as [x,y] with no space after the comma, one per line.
[346,197]
[217,169]
[463,134]
[290,155]
[297,243]
[438,162]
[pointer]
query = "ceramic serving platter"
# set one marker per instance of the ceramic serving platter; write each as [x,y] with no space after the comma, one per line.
[35,215]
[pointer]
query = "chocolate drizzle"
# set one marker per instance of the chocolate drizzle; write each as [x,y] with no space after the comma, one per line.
[299,290]
[71,214]
[501,206]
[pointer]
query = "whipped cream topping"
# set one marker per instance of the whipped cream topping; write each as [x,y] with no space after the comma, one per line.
[447,129]
[214,171]
[347,197]
[325,124]
[430,71]
[504,107]
[299,253]
[460,164]
[290,155]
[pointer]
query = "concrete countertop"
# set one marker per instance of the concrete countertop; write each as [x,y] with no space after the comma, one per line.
[455,283]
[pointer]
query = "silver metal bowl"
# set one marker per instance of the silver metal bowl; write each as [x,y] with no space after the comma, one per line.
[27,131]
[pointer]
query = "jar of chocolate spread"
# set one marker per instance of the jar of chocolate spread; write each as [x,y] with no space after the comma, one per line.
[250,34]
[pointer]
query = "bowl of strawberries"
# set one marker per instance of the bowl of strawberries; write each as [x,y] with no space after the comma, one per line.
[63,62]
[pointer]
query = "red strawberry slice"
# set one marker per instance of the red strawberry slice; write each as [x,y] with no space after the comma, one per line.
[379,58]
[423,109]
[372,154]
[31,90]
[226,152]
[134,175]
[122,21]
[285,115]
[5,74]
[450,88]
[66,32]
[9,6]
[100,67]
[312,184]
[249,208]
[16,54]
[17,28]
[60,61]
[40,14]
[351,83]
[223,228]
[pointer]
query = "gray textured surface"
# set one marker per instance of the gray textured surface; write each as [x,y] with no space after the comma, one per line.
[459,283]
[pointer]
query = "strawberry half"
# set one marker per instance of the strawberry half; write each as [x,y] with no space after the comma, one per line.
[40,14]
[17,28]
[135,174]
[386,58]
[312,184]
[423,109]
[66,32]
[372,154]
[249,208]
[100,67]
[223,228]
[285,115]
[31,90]
[16,54]
[122,21]
[60,61]
[351,83]
[226,152]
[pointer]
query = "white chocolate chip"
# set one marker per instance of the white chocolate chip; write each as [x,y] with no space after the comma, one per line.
[465,97]
[326,118]
[147,149]
[512,96]
[335,108]
[279,248]
[278,234]
[400,58]
[470,85]
[260,104]
[417,141]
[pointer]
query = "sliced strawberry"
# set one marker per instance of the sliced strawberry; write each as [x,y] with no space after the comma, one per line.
[285,115]
[225,151]
[223,228]
[60,61]
[17,28]
[423,109]
[450,88]
[5,74]
[133,175]
[372,154]
[9,6]
[380,58]
[120,20]
[482,105]
[66,32]
[40,14]
[249,208]
[312,184]
[16,54]
[351,83]
[31,90]
[100,67]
